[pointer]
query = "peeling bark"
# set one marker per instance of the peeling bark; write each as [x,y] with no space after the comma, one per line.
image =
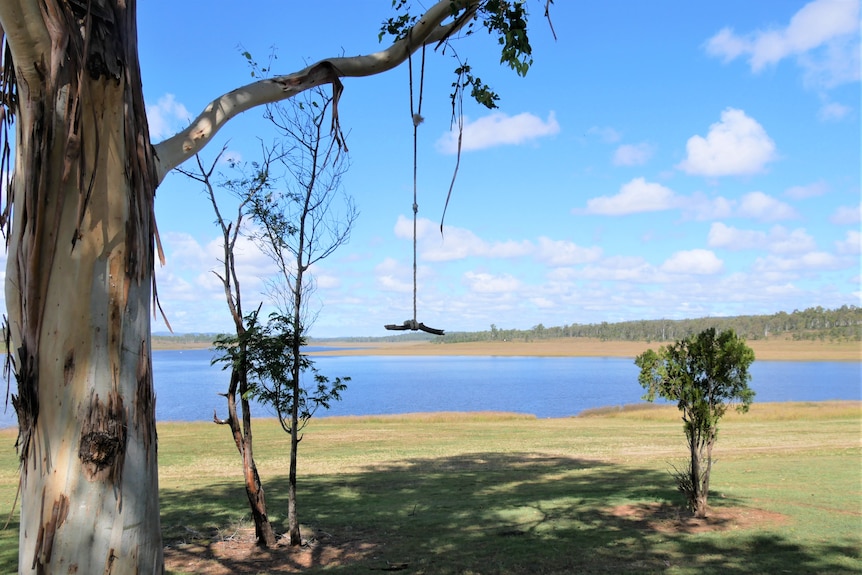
[82,239]
[244,441]
[48,530]
[78,288]
[103,440]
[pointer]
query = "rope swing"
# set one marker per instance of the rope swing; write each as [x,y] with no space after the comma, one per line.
[416,115]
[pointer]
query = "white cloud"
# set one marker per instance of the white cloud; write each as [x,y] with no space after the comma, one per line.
[191,294]
[700,207]
[488,284]
[326,281]
[730,238]
[252,264]
[809,191]
[847,215]
[498,129]
[805,262]
[851,244]
[736,145]
[543,302]
[167,117]
[633,154]
[697,261]
[456,243]
[833,111]
[404,228]
[779,240]
[823,35]
[394,284]
[392,276]
[727,45]
[565,253]
[838,63]
[764,207]
[782,241]
[623,269]
[636,196]
[640,196]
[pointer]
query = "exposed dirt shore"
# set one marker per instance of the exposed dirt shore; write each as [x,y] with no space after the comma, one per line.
[773,349]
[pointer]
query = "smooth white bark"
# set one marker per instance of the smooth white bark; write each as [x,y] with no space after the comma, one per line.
[89,482]
[27,37]
[79,312]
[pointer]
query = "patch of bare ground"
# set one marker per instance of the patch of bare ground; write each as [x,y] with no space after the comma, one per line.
[239,554]
[670,519]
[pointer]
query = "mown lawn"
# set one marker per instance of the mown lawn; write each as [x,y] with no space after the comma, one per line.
[501,493]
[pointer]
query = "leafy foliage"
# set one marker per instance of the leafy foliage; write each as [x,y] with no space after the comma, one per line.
[397,26]
[263,350]
[507,19]
[703,374]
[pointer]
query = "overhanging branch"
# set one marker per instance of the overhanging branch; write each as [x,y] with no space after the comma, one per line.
[429,29]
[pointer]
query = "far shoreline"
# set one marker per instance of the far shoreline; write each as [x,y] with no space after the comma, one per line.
[773,349]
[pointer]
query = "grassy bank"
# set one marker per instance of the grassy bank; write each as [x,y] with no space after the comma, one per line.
[503,493]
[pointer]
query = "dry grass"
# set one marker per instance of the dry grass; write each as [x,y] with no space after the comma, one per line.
[458,493]
[785,411]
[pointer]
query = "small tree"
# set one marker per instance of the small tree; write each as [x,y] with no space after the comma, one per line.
[704,374]
[266,354]
[81,236]
[233,353]
[298,228]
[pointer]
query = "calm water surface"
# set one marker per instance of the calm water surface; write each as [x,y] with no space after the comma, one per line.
[187,386]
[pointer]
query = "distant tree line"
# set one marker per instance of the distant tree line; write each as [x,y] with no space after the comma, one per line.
[186,338]
[816,323]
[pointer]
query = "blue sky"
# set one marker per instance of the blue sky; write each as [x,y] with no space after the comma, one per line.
[662,159]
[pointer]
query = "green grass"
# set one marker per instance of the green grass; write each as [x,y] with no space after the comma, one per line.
[501,493]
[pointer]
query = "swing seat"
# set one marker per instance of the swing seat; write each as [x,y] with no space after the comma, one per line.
[414,325]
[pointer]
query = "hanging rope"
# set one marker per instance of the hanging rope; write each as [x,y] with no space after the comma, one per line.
[416,115]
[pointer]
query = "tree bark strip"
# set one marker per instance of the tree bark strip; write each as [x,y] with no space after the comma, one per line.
[78,290]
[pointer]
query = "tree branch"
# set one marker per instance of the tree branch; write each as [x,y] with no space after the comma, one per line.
[429,29]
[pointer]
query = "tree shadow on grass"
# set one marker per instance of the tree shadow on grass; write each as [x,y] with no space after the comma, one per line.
[486,513]
[9,544]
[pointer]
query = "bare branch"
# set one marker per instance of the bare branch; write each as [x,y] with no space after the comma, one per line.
[218,421]
[429,29]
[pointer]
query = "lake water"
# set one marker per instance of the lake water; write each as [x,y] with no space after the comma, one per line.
[187,386]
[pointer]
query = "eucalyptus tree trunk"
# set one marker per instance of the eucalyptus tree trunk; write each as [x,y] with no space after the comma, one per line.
[78,289]
[80,266]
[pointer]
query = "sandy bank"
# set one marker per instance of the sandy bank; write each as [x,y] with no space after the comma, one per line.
[776,349]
